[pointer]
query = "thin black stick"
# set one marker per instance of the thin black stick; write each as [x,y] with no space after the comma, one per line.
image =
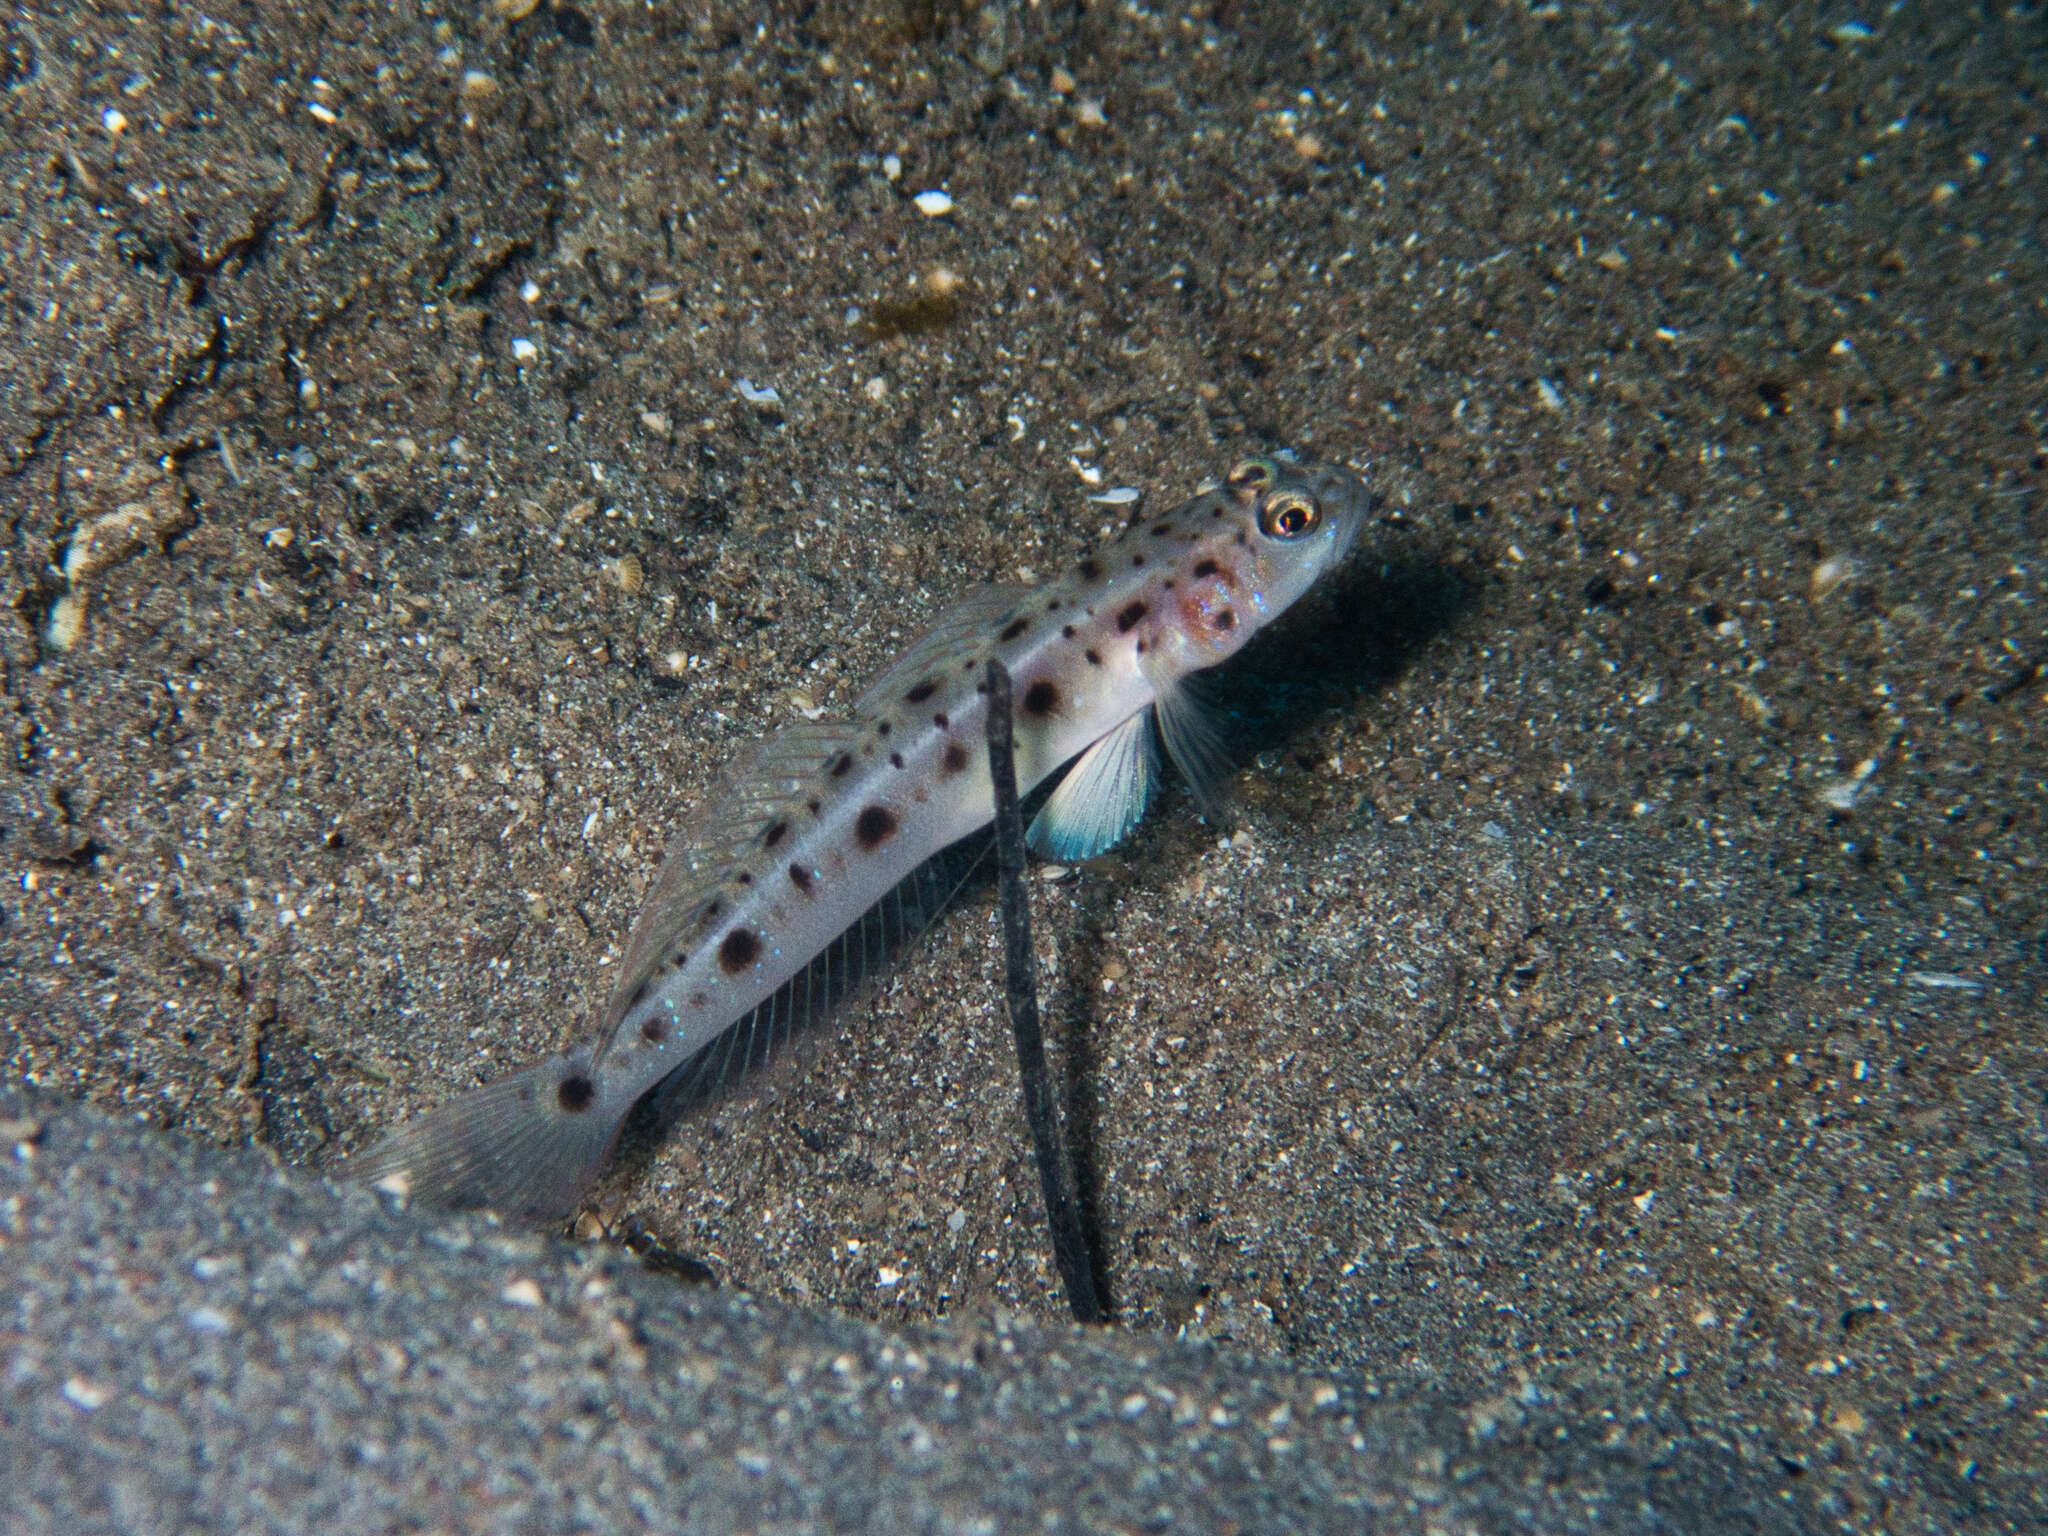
[1062,1210]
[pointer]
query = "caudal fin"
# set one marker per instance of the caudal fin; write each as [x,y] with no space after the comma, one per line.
[527,1146]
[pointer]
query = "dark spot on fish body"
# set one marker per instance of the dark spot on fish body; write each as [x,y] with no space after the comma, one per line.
[1067,631]
[1129,616]
[954,759]
[1225,620]
[778,829]
[1090,569]
[577,1093]
[800,878]
[739,950]
[814,807]
[842,765]
[883,727]
[873,827]
[941,721]
[1041,698]
[1204,569]
[654,1030]
[699,1000]
[1162,529]
[895,759]
[1094,656]
[1013,629]
[922,691]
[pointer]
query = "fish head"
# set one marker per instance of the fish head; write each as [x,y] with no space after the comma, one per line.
[1297,520]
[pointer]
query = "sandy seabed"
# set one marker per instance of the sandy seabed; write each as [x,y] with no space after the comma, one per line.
[433,441]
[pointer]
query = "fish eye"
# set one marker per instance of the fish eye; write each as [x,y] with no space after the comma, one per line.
[1289,516]
[1250,475]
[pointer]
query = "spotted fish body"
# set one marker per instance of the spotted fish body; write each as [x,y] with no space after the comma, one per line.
[826,817]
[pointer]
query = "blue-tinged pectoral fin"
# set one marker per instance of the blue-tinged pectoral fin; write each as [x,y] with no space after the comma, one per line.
[1102,797]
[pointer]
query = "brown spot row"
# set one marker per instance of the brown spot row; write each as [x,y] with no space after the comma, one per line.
[922,691]
[1013,629]
[739,950]
[576,1093]
[842,765]
[800,878]
[1041,698]
[1129,616]
[778,829]
[873,827]
[654,1030]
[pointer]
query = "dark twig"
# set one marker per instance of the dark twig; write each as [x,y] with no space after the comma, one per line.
[1062,1211]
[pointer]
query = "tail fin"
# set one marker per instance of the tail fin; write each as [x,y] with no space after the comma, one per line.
[527,1145]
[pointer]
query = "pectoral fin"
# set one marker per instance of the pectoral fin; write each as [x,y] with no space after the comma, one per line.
[1102,797]
[1193,742]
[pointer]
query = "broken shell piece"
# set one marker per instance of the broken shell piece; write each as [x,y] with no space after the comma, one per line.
[1830,574]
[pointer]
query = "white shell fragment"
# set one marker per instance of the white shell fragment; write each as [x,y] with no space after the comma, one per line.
[523,350]
[1117,496]
[933,203]
[757,394]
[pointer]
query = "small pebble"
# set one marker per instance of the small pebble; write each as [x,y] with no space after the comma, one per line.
[524,350]
[933,203]
[85,1394]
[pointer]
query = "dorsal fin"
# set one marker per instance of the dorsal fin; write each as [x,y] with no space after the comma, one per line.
[758,786]
[969,625]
